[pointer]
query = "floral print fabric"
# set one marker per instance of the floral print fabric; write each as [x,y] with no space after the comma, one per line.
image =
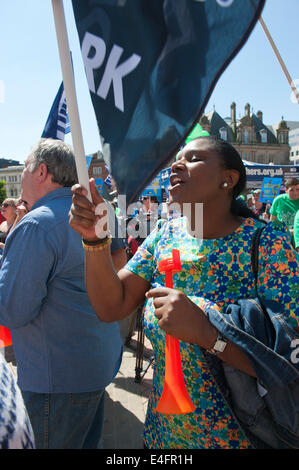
[15,427]
[217,272]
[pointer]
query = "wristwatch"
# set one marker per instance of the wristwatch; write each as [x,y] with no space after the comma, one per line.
[219,346]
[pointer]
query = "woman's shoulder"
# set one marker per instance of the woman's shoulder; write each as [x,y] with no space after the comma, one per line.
[273,228]
[276,230]
[273,233]
[247,228]
[276,244]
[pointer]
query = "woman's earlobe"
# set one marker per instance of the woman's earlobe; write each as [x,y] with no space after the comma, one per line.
[232,178]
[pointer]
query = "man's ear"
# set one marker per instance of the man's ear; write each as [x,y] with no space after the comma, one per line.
[42,173]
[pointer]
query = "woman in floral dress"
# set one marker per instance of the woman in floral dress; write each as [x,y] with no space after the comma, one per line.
[215,271]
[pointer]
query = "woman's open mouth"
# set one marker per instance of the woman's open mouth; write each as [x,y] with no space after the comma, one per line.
[175,181]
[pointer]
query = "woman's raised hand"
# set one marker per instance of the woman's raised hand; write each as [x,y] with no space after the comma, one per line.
[89,219]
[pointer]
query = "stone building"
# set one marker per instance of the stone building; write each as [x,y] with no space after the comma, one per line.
[255,141]
[11,175]
[294,142]
[98,169]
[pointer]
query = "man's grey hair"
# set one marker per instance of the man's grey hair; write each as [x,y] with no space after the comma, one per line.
[59,158]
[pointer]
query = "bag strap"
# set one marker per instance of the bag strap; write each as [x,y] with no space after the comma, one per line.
[255,252]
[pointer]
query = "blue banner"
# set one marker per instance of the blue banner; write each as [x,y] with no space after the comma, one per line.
[154,189]
[151,66]
[88,160]
[99,185]
[270,189]
[255,173]
[57,124]
[164,178]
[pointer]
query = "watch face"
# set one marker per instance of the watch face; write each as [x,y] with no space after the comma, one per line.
[220,345]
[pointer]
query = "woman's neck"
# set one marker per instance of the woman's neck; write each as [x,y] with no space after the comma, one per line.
[212,223]
[9,222]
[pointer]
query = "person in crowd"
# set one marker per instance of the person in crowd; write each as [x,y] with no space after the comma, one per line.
[8,210]
[15,428]
[296,231]
[22,209]
[141,224]
[65,355]
[241,208]
[285,206]
[266,214]
[249,201]
[215,270]
[1,216]
[259,207]
[149,204]
[14,212]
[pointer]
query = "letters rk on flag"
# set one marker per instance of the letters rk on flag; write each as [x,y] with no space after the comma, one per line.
[57,124]
[151,66]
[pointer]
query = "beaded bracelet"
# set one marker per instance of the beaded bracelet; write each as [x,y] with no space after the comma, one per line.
[98,241]
[98,245]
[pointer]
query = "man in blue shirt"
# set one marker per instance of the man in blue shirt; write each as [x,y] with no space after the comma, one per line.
[65,355]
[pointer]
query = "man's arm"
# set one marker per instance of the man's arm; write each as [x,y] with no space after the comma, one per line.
[113,295]
[27,261]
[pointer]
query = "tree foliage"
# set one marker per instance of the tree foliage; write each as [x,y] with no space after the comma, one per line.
[3,194]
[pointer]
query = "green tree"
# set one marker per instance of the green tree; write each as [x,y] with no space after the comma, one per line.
[3,194]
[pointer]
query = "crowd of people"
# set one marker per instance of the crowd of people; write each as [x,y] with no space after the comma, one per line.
[78,284]
[283,208]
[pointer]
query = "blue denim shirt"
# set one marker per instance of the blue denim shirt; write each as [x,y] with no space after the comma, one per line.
[60,344]
[264,334]
[264,330]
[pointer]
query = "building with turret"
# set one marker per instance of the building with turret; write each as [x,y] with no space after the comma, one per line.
[255,141]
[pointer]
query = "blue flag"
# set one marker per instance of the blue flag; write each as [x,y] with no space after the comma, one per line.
[57,124]
[108,180]
[151,67]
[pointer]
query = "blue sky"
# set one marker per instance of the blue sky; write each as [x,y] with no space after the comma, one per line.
[30,73]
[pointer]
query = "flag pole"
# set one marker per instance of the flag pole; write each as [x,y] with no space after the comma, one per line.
[281,62]
[70,93]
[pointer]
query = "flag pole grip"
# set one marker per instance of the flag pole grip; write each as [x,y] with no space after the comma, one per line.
[70,93]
